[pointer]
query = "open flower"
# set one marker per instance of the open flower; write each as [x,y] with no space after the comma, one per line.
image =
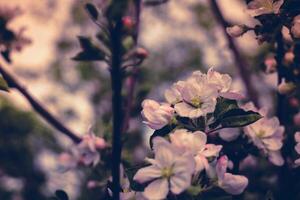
[297,147]
[173,94]
[267,135]
[199,97]
[232,184]
[169,171]
[156,115]
[260,7]
[195,144]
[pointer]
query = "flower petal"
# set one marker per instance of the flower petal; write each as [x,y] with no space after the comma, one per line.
[157,190]
[147,173]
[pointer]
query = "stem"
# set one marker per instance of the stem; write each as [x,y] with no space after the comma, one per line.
[116,84]
[239,61]
[132,80]
[37,106]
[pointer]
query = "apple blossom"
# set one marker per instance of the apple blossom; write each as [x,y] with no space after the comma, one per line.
[195,143]
[236,30]
[260,7]
[173,94]
[232,184]
[267,135]
[156,115]
[271,65]
[286,88]
[297,147]
[169,171]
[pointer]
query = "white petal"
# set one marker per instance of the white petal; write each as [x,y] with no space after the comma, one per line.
[273,144]
[233,184]
[183,109]
[180,182]
[147,173]
[275,157]
[157,190]
[221,167]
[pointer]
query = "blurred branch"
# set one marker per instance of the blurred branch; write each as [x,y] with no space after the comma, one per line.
[13,82]
[240,63]
[132,79]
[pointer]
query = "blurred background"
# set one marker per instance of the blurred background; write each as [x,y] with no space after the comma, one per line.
[181,36]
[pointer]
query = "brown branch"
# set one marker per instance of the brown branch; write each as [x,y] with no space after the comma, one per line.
[14,83]
[240,63]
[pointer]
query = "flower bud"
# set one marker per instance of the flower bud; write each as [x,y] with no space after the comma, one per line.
[294,102]
[141,53]
[92,184]
[236,30]
[296,119]
[285,88]
[100,143]
[128,22]
[271,65]
[296,27]
[289,57]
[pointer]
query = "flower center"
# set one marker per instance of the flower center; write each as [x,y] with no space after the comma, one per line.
[196,102]
[167,172]
[260,133]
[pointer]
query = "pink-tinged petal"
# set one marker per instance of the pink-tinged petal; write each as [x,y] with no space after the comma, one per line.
[211,150]
[297,148]
[233,184]
[221,167]
[297,136]
[180,182]
[165,154]
[184,164]
[157,190]
[232,95]
[201,163]
[273,144]
[147,174]
[183,109]
[275,157]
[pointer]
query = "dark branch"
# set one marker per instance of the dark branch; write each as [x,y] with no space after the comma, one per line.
[240,63]
[13,82]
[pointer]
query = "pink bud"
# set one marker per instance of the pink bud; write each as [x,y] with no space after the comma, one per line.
[128,22]
[236,30]
[271,65]
[294,102]
[141,53]
[296,119]
[289,57]
[100,143]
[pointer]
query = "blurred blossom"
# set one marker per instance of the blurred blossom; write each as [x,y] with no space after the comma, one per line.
[267,135]
[296,119]
[296,27]
[249,162]
[286,88]
[9,13]
[289,57]
[271,65]
[236,30]
[195,144]
[286,34]
[156,115]
[232,184]
[260,7]
[169,170]
[297,147]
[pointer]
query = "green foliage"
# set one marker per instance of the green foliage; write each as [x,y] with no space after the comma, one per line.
[89,51]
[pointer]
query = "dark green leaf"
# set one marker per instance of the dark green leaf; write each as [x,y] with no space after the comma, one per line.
[61,195]
[161,132]
[191,124]
[89,51]
[223,106]
[3,85]
[92,10]
[239,118]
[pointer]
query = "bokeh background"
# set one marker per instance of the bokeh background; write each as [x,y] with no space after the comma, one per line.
[181,36]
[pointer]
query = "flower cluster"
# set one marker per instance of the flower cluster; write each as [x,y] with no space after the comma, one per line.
[183,158]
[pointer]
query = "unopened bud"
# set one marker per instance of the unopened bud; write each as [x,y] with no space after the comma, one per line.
[289,57]
[128,22]
[271,65]
[236,30]
[294,102]
[141,53]
[100,143]
[92,184]
[296,119]
[285,88]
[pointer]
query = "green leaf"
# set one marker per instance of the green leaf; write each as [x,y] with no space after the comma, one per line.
[92,10]
[223,106]
[3,85]
[161,132]
[191,124]
[61,195]
[89,51]
[239,118]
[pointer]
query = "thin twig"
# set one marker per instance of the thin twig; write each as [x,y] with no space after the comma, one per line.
[37,106]
[240,63]
[132,80]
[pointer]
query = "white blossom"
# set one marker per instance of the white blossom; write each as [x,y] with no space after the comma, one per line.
[169,171]
[260,7]
[267,135]
[156,115]
[233,184]
[195,143]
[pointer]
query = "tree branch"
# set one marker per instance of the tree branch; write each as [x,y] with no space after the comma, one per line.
[37,106]
[240,63]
